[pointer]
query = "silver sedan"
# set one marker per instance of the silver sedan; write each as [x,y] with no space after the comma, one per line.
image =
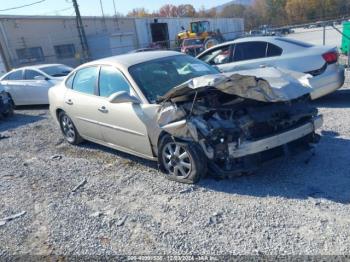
[320,62]
[29,85]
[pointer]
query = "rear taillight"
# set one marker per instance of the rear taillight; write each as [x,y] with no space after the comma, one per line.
[330,57]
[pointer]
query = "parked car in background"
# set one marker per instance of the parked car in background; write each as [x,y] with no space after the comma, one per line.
[321,62]
[146,49]
[29,85]
[6,104]
[256,33]
[181,112]
[192,46]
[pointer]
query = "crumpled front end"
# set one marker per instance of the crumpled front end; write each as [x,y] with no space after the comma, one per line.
[239,120]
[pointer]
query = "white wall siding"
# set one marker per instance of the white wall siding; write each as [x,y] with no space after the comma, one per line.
[109,36]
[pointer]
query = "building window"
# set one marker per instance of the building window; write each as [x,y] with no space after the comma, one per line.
[65,51]
[30,55]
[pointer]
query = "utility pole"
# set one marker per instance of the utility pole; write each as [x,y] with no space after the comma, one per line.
[115,15]
[103,16]
[4,59]
[81,32]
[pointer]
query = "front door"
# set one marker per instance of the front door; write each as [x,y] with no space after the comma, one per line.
[36,90]
[123,125]
[14,84]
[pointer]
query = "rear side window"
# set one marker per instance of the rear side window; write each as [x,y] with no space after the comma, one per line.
[112,81]
[273,50]
[85,80]
[17,75]
[249,50]
[31,74]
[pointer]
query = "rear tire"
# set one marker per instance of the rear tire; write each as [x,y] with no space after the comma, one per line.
[69,130]
[210,42]
[181,161]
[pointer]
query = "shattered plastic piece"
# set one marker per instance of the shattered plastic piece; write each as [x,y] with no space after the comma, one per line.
[9,218]
[56,157]
[81,184]
[121,222]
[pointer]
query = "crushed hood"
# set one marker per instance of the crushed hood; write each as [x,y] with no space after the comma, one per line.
[269,84]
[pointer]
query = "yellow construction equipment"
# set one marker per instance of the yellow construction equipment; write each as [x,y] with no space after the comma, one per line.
[200,30]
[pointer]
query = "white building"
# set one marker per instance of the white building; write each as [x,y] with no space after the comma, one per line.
[55,39]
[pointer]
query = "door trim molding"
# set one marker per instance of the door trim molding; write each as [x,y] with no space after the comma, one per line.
[112,126]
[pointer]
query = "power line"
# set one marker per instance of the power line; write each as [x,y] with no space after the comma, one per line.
[21,6]
[57,11]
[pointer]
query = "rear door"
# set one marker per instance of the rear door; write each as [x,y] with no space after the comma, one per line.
[36,90]
[81,102]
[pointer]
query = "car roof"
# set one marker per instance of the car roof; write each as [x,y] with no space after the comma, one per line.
[39,66]
[256,38]
[250,39]
[130,59]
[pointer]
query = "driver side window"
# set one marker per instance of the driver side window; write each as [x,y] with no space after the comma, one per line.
[31,74]
[112,81]
[218,56]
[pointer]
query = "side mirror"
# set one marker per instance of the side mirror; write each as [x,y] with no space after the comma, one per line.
[123,97]
[40,77]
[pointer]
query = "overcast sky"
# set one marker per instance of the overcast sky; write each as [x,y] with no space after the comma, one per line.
[92,7]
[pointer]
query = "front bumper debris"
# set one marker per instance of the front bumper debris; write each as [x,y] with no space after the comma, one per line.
[253,147]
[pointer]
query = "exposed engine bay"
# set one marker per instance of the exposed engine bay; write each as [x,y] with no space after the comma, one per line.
[230,128]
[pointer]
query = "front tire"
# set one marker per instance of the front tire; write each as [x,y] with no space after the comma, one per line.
[11,109]
[181,161]
[69,130]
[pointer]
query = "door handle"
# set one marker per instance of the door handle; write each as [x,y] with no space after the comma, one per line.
[69,102]
[103,109]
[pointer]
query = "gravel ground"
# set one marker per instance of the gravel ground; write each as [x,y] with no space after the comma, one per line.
[125,206]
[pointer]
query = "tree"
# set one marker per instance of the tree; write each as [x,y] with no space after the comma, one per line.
[139,12]
[186,11]
[275,12]
[168,11]
[200,12]
[233,10]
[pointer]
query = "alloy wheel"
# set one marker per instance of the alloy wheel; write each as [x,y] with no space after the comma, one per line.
[177,161]
[68,128]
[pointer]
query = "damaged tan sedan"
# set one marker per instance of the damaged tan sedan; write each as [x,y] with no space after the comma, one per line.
[175,109]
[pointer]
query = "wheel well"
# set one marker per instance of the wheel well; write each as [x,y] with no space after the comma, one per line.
[13,102]
[58,111]
[160,137]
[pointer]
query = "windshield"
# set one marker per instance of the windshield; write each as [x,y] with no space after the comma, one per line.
[56,70]
[158,76]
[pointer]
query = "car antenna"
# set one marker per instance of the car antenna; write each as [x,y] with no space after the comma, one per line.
[194,99]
